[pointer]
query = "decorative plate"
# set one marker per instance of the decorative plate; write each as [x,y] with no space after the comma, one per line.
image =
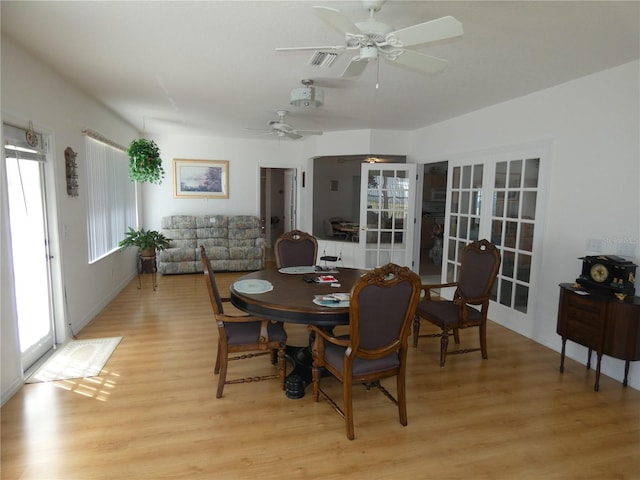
[252,286]
[335,300]
[298,270]
[329,303]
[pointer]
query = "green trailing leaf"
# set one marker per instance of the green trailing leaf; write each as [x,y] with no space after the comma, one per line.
[145,164]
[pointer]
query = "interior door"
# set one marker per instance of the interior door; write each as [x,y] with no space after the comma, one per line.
[30,248]
[387,214]
[497,196]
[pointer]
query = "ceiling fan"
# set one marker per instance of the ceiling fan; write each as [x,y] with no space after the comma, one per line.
[371,39]
[282,129]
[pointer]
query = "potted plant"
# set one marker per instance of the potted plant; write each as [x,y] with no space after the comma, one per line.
[145,164]
[148,241]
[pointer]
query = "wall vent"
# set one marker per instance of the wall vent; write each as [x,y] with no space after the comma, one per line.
[323,59]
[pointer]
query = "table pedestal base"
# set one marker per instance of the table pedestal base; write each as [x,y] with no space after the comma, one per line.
[301,374]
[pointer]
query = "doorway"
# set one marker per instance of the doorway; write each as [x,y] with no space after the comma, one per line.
[434,200]
[27,201]
[277,203]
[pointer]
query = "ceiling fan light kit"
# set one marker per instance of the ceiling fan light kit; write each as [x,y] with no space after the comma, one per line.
[307,96]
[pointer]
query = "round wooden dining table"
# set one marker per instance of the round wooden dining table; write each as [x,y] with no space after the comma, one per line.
[291,299]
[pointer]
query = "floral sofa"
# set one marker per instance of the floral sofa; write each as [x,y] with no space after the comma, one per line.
[233,243]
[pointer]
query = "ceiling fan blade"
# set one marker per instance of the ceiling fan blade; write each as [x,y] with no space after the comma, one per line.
[355,68]
[336,20]
[434,30]
[258,131]
[308,132]
[335,48]
[291,135]
[419,62]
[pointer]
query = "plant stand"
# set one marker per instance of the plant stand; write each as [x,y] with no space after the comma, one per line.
[147,265]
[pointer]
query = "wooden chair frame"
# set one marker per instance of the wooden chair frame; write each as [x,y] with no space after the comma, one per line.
[463,299]
[387,277]
[262,346]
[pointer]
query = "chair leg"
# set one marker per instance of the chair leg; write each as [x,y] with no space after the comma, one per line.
[216,369]
[444,344]
[316,383]
[402,399]
[483,340]
[274,356]
[416,330]
[456,335]
[347,398]
[223,357]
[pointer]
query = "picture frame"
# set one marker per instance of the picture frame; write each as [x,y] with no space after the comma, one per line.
[200,178]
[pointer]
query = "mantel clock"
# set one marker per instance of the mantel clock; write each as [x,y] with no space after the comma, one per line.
[608,273]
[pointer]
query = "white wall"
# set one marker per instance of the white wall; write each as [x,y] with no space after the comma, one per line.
[594,125]
[245,157]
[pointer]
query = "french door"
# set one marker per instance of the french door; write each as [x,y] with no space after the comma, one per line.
[387,215]
[497,196]
[30,247]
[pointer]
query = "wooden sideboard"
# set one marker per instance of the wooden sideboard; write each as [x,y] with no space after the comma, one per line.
[599,322]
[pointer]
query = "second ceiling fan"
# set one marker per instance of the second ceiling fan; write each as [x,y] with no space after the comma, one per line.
[371,39]
[280,128]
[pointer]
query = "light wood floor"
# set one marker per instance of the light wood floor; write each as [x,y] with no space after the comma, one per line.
[152,414]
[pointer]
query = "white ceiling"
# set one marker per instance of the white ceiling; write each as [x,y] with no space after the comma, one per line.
[209,67]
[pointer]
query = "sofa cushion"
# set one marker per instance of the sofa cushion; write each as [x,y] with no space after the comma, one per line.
[244,234]
[244,222]
[167,268]
[213,252]
[175,242]
[179,222]
[177,254]
[244,253]
[218,233]
[212,221]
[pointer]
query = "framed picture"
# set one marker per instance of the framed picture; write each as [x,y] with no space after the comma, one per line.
[200,178]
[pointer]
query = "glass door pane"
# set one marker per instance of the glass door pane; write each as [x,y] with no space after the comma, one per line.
[30,257]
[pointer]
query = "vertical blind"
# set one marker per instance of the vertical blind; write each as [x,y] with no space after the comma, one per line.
[111,198]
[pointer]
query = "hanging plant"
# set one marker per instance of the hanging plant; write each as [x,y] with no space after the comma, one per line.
[145,164]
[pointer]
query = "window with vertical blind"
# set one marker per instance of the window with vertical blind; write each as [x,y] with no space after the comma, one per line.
[111,198]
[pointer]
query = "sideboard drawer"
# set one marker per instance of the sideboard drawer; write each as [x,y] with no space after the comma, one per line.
[581,319]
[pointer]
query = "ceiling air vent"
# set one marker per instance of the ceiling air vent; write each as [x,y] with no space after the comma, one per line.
[323,59]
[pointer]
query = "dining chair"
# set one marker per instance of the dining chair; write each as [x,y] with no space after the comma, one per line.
[242,333]
[330,232]
[296,248]
[480,262]
[382,305]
